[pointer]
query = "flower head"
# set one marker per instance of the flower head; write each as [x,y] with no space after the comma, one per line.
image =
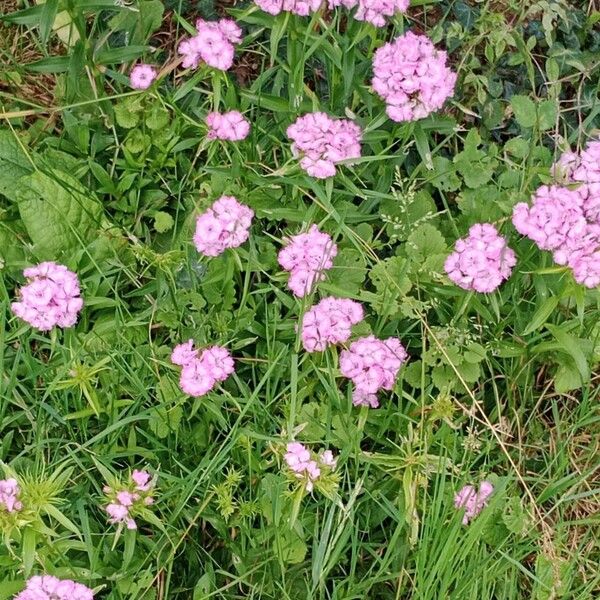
[373,11]
[481,261]
[323,142]
[46,587]
[212,44]
[224,225]
[126,500]
[473,501]
[142,76]
[329,322]
[307,466]
[231,126]
[306,256]
[411,75]
[202,370]
[372,365]
[50,298]
[301,8]
[9,495]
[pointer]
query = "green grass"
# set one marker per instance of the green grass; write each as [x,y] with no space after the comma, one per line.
[503,387]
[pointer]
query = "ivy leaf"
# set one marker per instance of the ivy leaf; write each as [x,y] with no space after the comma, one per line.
[59,213]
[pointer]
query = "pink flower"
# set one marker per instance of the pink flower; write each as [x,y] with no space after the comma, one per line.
[412,77]
[127,500]
[481,261]
[301,8]
[142,76]
[184,354]
[372,365]
[473,501]
[306,256]
[201,374]
[373,11]
[50,298]
[231,126]
[224,225]
[305,465]
[566,221]
[323,142]
[9,495]
[213,44]
[46,587]
[329,322]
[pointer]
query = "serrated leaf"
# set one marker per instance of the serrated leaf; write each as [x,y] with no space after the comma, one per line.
[127,114]
[445,177]
[158,118]
[163,221]
[59,213]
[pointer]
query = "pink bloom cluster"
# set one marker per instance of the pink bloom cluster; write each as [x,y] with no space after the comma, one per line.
[306,465]
[329,322]
[372,365]
[142,76]
[231,126]
[481,261]
[47,587]
[373,11]
[323,142]
[473,501]
[124,502]
[50,298]
[306,256]
[213,44]
[201,370]
[566,221]
[9,495]
[411,75]
[224,225]
[301,8]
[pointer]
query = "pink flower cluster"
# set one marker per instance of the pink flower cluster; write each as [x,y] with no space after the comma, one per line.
[307,466]
[329,322]
[566,221]
[142,76]
[306,256]
[50,298]
[231,126]
[372,365]
[323,142]
[213,44]
[301,8]
[224,225]
[9,495]
[411,75]
[123,503]
[481,261]
[373,11]
[201,370]
[47,587]
[473,501]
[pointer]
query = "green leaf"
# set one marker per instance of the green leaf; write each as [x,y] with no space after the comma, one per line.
[163,221]
[572,346]
[127,113]
[540,316]
[445,177]
[524,111]
[547,111]
[158,118]
[424,242]
[14,164]
[59,213]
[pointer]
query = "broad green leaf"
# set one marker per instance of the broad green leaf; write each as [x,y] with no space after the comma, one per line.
[547,111]
[59,213]
[524,110]
[540,316]
[14,164]
[571,346]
